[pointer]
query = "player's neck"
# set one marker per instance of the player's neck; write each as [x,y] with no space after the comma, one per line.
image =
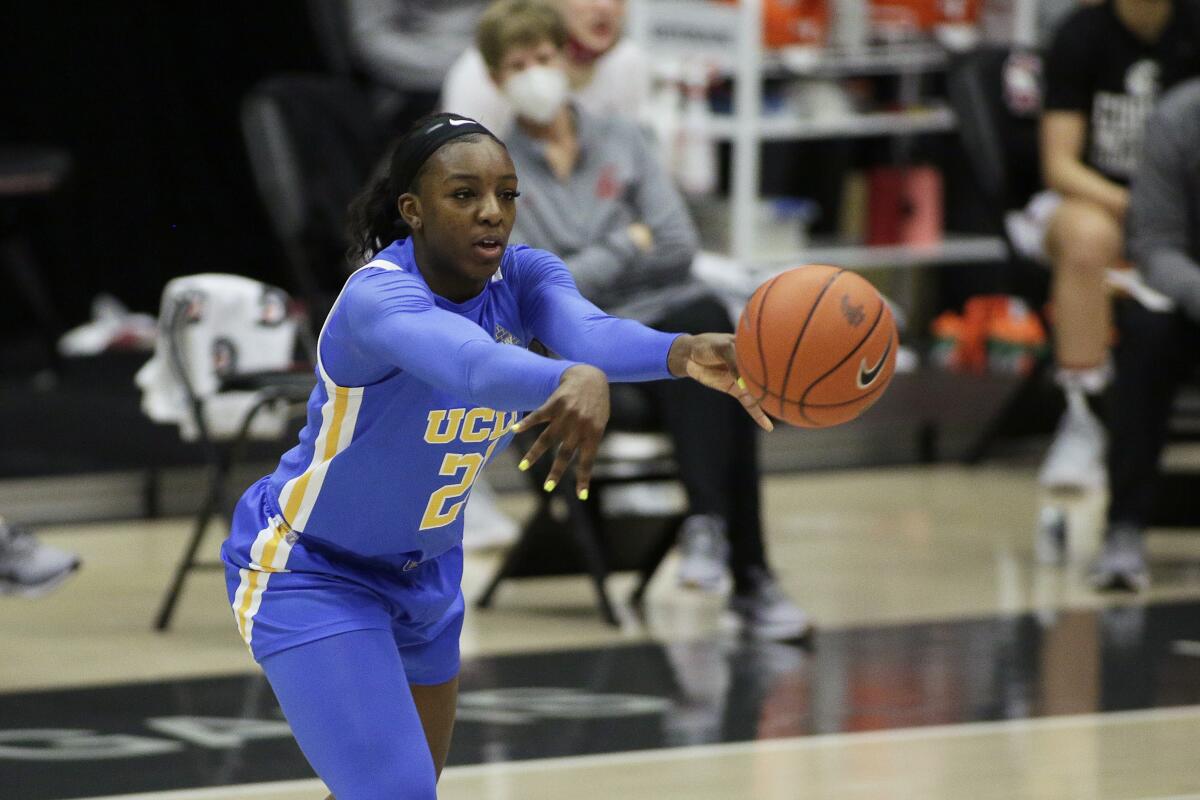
[1146,19]
[442,281]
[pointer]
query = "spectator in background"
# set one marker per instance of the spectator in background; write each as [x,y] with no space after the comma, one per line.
[593,191]
[606,72]
[1104,72]
[1154,350]
[28,567]
[409,45]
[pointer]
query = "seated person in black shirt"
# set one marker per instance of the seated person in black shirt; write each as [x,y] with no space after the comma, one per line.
[1105,70]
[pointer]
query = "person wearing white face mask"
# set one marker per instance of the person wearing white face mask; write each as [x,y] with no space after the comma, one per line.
[594,191]
[605,72]
[537,93]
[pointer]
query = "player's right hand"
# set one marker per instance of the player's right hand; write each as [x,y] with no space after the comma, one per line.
[575,417]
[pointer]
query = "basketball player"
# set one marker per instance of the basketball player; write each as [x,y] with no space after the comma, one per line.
[344,566]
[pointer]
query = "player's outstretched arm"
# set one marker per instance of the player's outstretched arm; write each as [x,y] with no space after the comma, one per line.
[709,358]
[575,417]
[387,319]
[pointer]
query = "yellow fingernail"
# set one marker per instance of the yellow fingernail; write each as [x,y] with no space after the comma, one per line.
[742,384]
[516,427]
[549,486]
[583,494]
[524,465]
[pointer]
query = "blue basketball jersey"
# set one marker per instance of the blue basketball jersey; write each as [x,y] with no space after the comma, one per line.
[416,394]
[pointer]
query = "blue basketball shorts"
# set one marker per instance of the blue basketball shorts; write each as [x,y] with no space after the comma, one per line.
[287,592]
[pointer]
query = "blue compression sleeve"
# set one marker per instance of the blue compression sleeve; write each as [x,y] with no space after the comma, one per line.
[627,351]
[387,319]
[347,702]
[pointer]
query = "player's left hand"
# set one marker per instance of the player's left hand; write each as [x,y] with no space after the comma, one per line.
[710,359]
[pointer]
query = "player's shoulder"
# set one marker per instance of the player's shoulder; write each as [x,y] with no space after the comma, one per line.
[383,282]
[524,267]
[522,261]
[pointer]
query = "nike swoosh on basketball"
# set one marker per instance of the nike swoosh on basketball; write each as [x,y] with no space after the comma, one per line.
[867,376]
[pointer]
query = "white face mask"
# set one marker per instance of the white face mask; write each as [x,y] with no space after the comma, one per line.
[537,93]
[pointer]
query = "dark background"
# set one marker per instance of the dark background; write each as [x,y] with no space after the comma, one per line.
[145,96]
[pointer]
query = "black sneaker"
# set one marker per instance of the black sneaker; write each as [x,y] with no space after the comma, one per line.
[28,567]
[1121,565]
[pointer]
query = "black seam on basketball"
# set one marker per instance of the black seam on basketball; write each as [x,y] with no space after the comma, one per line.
[783,407]
[849,355]
[799,336]
[758,330]
[855,400]
[803,414]
[800,408]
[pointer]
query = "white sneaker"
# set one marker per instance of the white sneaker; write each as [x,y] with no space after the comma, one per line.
[1076,457]
[703,552]
[28,567]
[485,525]
[768,613]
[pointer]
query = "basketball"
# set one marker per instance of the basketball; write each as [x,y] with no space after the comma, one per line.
[816,346]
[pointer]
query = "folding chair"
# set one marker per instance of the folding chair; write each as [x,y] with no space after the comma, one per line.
[567,536]
[30,175]
[224,371]
[312,141]
[996,94]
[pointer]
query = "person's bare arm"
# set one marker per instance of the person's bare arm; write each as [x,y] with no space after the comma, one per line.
[1063,134]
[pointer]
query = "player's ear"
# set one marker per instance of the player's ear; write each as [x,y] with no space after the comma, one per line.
[409,206]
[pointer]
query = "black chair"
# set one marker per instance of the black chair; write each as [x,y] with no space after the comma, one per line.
[331,27]
[567,536]
[313,141]
[290,387]
[30,175]
[996,94]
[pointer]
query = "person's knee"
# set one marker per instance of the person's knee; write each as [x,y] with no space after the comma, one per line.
[1084,240]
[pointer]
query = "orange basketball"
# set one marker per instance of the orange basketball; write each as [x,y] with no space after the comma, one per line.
[817,346]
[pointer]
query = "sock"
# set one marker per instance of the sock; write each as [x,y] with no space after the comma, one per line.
[1086,389]
[1088,380]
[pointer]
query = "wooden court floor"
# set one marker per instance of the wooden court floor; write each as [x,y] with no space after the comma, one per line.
[1134,755]
[859,549]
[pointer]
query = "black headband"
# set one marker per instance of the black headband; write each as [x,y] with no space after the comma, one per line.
[418,146]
